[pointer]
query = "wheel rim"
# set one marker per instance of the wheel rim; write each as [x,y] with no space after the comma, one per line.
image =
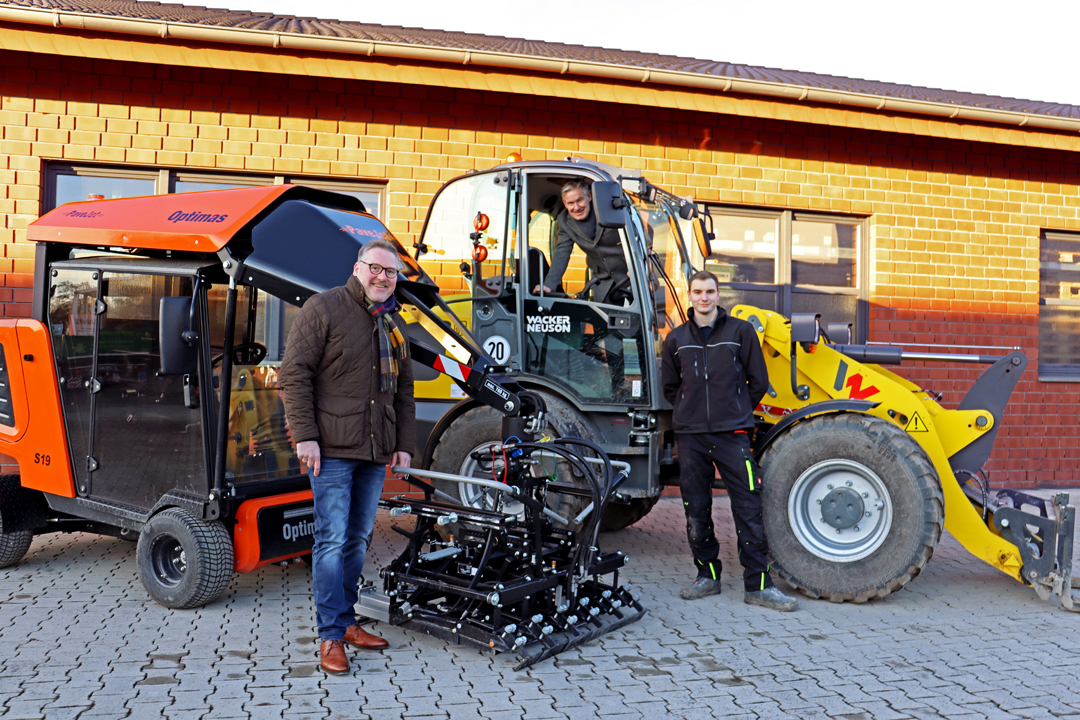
[169,560]
[482,498]
[840,510]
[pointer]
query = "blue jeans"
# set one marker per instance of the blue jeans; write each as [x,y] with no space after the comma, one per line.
[346,498]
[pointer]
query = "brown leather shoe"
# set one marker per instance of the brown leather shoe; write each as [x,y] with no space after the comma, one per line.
[358,636]
[332,657]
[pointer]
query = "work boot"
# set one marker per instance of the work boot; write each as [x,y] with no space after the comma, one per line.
[332,657]
[361,638]
[772,598]
[702,586]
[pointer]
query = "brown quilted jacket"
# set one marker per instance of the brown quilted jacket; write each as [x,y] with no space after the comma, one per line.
[330,381]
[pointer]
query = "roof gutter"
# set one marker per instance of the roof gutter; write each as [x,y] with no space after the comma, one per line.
[355,46]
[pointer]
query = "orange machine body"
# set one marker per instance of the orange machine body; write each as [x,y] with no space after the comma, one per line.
[274,528]
[36,438]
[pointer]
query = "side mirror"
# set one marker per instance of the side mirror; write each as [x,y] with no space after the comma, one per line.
[176,337]
[703,235]
[609,202]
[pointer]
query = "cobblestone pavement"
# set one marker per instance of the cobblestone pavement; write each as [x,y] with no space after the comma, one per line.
[81,639]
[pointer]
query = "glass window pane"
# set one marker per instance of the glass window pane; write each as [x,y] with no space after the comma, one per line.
[183,186]
[1059,301]
[72,320]
[744,249]
[729,297]
[450,224]
[824,254]
[139,414]
[72,188]
[833,308]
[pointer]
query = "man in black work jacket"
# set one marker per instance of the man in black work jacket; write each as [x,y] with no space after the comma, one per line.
[714,375]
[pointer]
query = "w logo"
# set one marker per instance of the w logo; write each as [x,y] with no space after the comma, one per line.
[854,383]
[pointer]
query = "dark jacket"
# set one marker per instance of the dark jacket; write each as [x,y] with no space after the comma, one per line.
[330,381]
[713,386]
[603,253]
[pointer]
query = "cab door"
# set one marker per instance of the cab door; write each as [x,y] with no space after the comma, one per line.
[131,436]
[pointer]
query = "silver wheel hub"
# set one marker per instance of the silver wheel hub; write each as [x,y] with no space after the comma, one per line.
[482,498]
[840,510]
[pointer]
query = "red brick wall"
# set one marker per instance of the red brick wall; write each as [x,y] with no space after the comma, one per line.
[954,224]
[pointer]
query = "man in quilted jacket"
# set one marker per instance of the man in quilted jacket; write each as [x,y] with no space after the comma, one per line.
[347,385]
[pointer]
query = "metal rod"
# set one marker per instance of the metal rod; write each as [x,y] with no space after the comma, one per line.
[946,357]
[945,345]
[492,484]
[225,388]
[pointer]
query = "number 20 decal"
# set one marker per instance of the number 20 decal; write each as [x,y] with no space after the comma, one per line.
[498,348]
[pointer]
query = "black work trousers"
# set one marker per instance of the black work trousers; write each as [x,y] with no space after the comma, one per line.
[699,458]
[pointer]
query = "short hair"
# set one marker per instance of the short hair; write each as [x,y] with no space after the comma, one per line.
[705,275]
[375,244]
[575,184]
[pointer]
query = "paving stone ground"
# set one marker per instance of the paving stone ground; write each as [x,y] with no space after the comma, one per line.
[81,639]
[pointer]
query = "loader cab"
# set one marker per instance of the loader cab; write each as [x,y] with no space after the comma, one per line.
[490,241]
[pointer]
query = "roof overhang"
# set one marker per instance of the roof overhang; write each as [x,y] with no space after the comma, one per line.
[604,70]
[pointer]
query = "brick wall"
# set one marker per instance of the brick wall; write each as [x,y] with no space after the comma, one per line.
[954,224]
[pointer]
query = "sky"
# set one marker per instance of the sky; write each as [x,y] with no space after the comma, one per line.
[995,47]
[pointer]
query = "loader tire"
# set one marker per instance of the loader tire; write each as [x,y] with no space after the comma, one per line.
[184,562]
[885,507]
[479,429]
[13,546]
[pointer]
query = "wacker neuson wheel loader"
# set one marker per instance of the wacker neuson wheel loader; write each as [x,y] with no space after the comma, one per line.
[542,409]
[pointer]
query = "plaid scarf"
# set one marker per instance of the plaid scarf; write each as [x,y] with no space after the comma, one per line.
[391,343]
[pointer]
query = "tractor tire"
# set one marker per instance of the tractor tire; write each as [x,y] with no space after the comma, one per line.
[479,429]
[620,515]
[885,507]
[13,546]
[184,562]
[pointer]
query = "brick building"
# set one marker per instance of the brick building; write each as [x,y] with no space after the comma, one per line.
[924,217]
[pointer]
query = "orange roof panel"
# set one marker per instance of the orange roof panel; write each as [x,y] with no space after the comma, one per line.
[194,222]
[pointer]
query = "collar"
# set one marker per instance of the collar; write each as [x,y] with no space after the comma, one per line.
[356,290]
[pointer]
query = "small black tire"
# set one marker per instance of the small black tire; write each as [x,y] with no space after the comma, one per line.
[13,546]
[623,515]
[184,562]
[885,496]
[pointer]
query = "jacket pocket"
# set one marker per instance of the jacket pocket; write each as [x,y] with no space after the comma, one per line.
[343,424]
[387,440]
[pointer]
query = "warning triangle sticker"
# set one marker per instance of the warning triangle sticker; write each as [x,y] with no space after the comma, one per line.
[916,424]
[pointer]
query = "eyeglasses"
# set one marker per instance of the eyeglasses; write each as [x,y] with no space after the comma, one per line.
[377,270]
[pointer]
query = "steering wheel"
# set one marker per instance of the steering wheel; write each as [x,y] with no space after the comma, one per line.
[244,354]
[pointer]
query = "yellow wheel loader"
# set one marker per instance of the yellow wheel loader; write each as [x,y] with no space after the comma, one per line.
[863,469]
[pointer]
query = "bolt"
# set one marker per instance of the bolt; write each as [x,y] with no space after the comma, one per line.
[829,486]
[866,495]
[1004,522]
[867,513]
[839,531]
[508,406]
[856,528]
[849,483]
[818,502]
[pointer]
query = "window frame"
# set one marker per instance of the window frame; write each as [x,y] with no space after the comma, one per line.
[165,179]
[782,284]
[1069,372]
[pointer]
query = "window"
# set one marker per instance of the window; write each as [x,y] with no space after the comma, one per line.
[1059,307]
[791,262]
[66,183]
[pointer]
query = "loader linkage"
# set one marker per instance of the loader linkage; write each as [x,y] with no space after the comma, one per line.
[514,576]
[1045,543]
